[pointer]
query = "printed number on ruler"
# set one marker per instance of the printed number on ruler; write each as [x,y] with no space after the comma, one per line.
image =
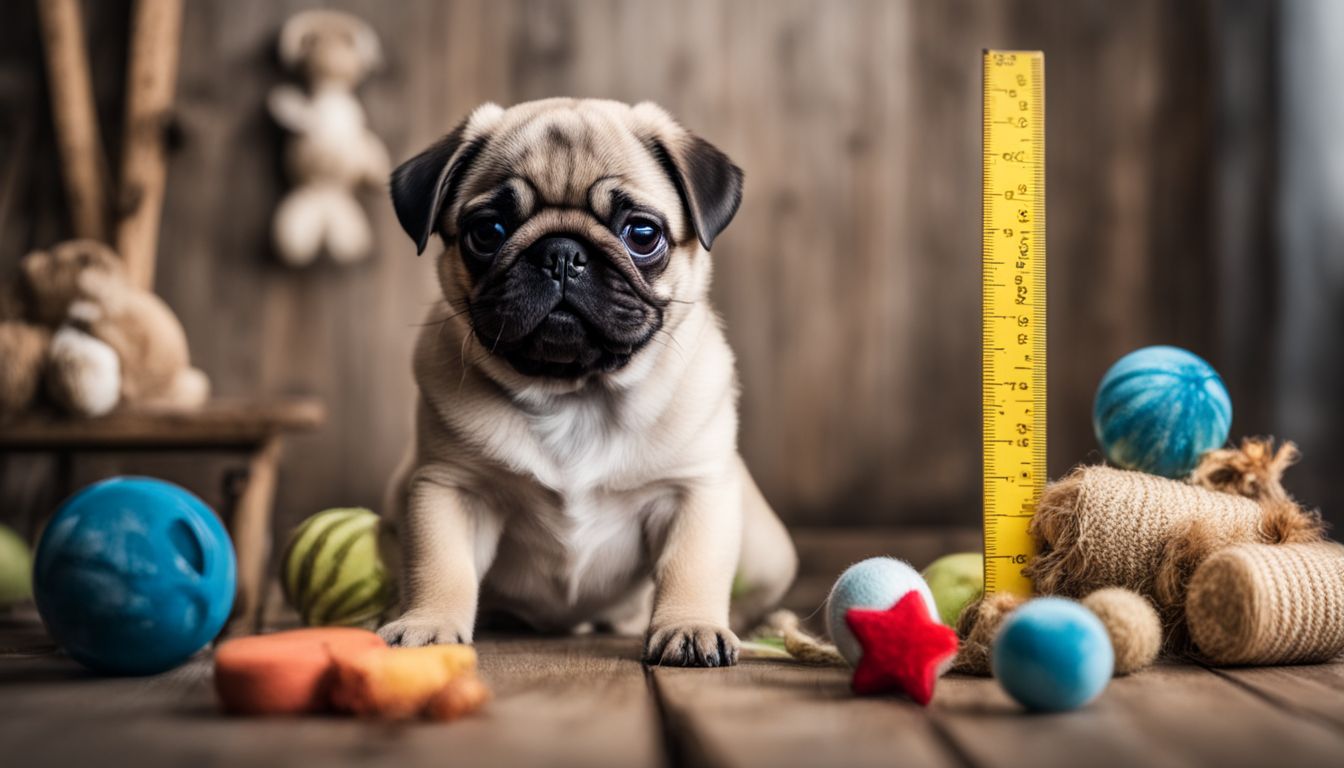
[1013,306]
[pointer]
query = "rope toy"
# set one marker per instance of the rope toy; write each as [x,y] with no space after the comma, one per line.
[780,637]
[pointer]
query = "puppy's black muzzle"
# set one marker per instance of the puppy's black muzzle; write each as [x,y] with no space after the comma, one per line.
[562,309]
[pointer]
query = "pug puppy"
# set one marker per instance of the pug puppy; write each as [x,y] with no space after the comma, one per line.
[575,457]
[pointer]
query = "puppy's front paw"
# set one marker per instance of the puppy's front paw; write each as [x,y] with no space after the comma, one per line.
[415,631]
[691,645]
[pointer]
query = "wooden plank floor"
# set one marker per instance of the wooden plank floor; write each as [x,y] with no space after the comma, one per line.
[587,701]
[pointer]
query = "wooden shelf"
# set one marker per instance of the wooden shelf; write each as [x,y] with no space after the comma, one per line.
[220,425]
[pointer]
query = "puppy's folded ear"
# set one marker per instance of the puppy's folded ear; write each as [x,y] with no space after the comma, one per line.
[425,184]
[710,185]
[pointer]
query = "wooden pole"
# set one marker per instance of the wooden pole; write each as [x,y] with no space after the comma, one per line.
[75,117]
[150,81]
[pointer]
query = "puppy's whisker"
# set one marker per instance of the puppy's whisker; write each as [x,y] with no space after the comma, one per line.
[499,335]
[442,320]
[462,358]
[667,341]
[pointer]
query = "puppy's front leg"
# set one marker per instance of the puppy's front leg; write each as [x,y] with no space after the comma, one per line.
[446,543]
[694,577]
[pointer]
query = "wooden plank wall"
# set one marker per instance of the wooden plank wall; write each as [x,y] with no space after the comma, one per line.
[849,282]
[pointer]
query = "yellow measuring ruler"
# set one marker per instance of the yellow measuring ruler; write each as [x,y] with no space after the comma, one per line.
[1013,307]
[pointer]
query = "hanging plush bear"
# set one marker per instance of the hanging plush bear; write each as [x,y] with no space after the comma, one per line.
[332,152]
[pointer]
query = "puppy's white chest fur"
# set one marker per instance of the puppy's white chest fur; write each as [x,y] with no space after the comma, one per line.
[576,549]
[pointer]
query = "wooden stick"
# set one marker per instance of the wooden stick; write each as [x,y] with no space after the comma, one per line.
[250,526]
[151,79]
[75,117]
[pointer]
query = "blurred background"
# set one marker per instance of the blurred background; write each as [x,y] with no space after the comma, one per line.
[1196,186]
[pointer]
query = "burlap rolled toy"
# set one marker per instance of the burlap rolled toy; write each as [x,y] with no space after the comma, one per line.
[1104,527]
[1268,604]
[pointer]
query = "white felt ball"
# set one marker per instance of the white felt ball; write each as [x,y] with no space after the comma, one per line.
[876,583]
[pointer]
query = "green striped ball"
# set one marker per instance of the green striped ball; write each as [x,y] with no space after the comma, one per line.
[333,575]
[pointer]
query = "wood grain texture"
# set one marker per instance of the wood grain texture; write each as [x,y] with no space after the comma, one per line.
[1314,691]
[83,165]
[848,283]
[718,718]
[586,701]
[577,702]
[151,82]
[1168,715]
[220,424]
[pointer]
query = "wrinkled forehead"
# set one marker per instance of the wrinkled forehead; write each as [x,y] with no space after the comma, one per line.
[574,156]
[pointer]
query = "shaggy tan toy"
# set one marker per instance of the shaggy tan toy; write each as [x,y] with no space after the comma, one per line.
[74,322]
[332,152]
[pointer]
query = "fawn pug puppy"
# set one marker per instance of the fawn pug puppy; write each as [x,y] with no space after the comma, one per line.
[575,458]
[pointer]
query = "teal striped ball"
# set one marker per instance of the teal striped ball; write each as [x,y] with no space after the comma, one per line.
[1159,409]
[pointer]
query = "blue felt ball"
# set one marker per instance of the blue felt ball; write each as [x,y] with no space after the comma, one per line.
[1158,409]
[1052,655]
[133,576]
[876,583]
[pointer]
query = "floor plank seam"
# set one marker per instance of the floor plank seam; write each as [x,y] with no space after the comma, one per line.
[673,753]
[944,735]
[1275,701]
[672,728]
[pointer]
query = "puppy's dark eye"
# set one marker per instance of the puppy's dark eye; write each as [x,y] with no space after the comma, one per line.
[644,239]
[485,235]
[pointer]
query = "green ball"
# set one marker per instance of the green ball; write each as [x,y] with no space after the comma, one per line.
[956,581]
[332,573]
[16,568]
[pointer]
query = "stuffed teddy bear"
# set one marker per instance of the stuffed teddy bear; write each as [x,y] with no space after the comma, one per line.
[73,322]
[332,152]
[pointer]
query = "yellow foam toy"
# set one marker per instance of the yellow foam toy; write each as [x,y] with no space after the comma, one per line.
[397,682]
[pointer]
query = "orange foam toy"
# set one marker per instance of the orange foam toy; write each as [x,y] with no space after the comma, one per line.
[285,673]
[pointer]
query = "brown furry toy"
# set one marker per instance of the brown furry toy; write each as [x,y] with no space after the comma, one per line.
[1254,470]
[331,152]
[23,347]
[92,338]
[978,624]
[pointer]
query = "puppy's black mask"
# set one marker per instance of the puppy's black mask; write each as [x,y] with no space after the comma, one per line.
[564,304]
[571,294]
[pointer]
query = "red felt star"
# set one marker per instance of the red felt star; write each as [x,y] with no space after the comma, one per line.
[904,649]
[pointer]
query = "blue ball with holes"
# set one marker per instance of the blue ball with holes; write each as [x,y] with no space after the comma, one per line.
[133,576]
[1158,409]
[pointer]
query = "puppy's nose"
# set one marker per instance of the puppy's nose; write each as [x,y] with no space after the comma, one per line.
[563,258]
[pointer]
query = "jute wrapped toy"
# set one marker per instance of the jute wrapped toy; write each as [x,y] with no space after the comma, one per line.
[1268,604]
[1263,586]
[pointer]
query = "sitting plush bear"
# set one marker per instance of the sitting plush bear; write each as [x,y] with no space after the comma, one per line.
[74,322]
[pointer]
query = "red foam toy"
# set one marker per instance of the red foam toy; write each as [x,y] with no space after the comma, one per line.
[904,649]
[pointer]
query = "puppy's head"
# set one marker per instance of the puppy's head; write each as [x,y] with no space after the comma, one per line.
[575,230]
